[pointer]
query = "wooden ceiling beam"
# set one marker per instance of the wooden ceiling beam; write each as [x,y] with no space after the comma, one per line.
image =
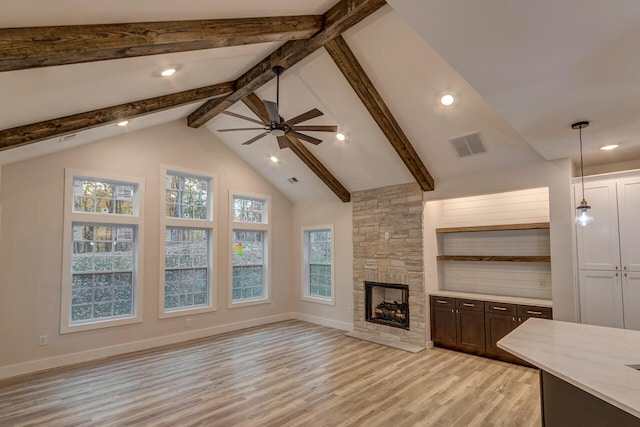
[27,134]
[23,48]
[298,148]
[338,19]
[366,91]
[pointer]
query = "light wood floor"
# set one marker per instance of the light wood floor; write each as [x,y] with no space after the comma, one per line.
[286,374]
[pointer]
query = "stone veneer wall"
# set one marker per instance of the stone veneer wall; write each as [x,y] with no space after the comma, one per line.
[396,210]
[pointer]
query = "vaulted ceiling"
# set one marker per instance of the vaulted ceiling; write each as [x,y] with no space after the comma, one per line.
[521,73]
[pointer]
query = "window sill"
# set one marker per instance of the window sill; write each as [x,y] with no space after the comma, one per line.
[99,324]
[236,304]
[318,300]
[185,311]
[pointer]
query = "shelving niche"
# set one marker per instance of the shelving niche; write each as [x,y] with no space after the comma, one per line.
[503,259]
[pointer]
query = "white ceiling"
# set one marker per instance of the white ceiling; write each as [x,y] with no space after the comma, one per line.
[522,73]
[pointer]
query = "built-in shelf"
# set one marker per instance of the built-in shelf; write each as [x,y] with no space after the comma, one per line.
[527,226]
[494,258]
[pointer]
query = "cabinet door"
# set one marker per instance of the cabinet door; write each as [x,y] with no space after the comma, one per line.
[497,326]
[601,298]
[470,325]
[598,244]
[628,213]
[443,326]
[631,300]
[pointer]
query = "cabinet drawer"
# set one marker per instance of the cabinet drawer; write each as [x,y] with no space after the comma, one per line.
[534,311]
[500,307]
[470,304]
[443,301]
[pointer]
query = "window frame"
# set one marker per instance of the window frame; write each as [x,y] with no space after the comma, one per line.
[265,227]
[306,266]
[172,222]
[72,218]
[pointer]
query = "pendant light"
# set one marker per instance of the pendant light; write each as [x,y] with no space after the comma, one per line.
[583,214]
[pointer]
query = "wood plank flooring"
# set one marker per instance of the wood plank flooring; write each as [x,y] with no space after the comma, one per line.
[285,374]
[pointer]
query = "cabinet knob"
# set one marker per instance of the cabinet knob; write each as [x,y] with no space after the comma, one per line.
[625,267]
[513,319]
[616,274]
[616,267]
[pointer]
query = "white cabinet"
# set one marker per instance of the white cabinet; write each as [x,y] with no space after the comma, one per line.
[601,298]
[609,253]
[631,299]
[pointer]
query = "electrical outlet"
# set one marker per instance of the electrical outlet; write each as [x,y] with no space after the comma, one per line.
[187,323]
[42,340]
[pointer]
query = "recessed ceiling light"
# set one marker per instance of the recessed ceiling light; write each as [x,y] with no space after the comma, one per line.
[447,99]
[340,136]
[123,123]
[609,147]
[274,159]
[167,72]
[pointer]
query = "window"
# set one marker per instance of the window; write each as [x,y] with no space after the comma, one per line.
[317,260]
[101,251]
[249,248]
[188,226]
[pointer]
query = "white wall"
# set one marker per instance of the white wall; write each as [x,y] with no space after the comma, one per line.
[339,214]
[556,176]
[31,259]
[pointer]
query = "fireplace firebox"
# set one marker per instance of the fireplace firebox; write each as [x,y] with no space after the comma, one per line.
[387,304]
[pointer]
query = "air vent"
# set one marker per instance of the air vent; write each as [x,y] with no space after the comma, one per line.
[292,180]
[467,145]
[68,137]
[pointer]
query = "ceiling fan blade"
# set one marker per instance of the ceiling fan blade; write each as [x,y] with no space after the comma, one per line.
[255,138]
[240,116]
[304,137]
[283,142]
[231,130]
[305,116]
[317,128]
[272,109]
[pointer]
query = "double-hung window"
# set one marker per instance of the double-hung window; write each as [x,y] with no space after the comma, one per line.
[249,248]
[317,264]
[187,248]
[101,283]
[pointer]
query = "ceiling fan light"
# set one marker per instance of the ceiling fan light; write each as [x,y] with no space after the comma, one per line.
[277,132]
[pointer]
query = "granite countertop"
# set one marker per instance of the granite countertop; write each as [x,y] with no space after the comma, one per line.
[592,358]
[493,298]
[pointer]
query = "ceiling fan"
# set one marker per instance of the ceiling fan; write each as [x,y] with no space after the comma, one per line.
[279,127]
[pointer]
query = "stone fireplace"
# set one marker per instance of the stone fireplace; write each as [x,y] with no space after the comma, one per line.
[387,249]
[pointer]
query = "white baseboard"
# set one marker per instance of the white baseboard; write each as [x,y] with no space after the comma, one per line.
[324,321]
[99,353]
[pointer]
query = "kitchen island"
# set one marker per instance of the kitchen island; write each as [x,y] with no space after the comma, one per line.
[589,375]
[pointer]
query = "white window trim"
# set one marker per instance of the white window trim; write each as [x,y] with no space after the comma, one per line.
[304,290]
[209,223]
[71,217]
[251,226]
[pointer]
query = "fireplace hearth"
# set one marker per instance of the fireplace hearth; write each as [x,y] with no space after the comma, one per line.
[387,304]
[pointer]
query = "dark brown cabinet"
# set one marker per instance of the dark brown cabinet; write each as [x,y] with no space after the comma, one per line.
[475,326]
[457,324]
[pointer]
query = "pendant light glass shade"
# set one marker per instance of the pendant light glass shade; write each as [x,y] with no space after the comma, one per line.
[583,214]
[583,211]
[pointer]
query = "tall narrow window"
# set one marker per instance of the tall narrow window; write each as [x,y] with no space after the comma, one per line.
[101,251]
[249,248]
[317,268]
[188,228]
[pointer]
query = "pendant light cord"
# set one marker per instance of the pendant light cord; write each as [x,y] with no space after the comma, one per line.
[278,92]
[581,166]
